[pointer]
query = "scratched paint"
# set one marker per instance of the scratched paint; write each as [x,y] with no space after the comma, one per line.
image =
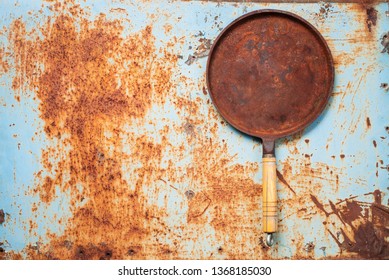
[112,149]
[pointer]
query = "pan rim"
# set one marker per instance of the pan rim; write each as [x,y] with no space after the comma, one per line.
[330,63]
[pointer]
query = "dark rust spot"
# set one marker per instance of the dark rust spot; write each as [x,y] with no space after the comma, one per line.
[306,141]
[190,129]
[371,18]
[80,253]
[92,252]
[189,194]
[309,247]
[375,143]
[385,86]
[263,244]
[368,123]
[385,44]
[342,156]
[282,179]
[107,255]
[131,252]
[369,242]
[318,204]
[377,197]
[2,216]
[324,11]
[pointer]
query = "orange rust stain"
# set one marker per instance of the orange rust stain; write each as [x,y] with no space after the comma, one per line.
[167,28]
[94,80]
[325,10]
[4,64]
[205,91]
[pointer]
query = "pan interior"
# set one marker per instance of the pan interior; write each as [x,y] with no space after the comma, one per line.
[270,74]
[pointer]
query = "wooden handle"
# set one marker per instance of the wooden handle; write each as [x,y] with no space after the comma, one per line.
[269,195]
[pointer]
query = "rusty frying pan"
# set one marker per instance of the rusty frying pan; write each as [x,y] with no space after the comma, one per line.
[270,74]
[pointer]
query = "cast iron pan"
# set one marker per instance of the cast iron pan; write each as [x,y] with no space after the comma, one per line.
[270,74]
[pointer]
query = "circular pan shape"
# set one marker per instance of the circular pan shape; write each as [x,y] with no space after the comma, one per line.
[270,73]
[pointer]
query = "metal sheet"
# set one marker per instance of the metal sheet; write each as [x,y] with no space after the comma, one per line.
[111,147]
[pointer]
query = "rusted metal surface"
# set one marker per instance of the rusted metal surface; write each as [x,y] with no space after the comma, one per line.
[111,147]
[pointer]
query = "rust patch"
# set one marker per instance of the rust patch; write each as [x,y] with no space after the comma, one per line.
[93,82]
[351,212]
[368,123]
[282,179]
[364,229]
[4,65]
[205,91]
[385,86]
[101,252]
[319,205]
[371,19]
[367,242]
[309,247]
[2,216]
[385,43]
[198,206]
[325,9]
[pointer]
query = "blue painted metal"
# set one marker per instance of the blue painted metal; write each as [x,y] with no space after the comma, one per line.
[342,155]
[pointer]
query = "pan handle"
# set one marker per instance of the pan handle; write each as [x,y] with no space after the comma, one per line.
[269,197]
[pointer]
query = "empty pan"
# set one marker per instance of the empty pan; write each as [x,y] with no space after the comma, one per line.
[270,74]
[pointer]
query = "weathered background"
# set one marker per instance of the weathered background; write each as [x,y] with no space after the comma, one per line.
[111,147]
